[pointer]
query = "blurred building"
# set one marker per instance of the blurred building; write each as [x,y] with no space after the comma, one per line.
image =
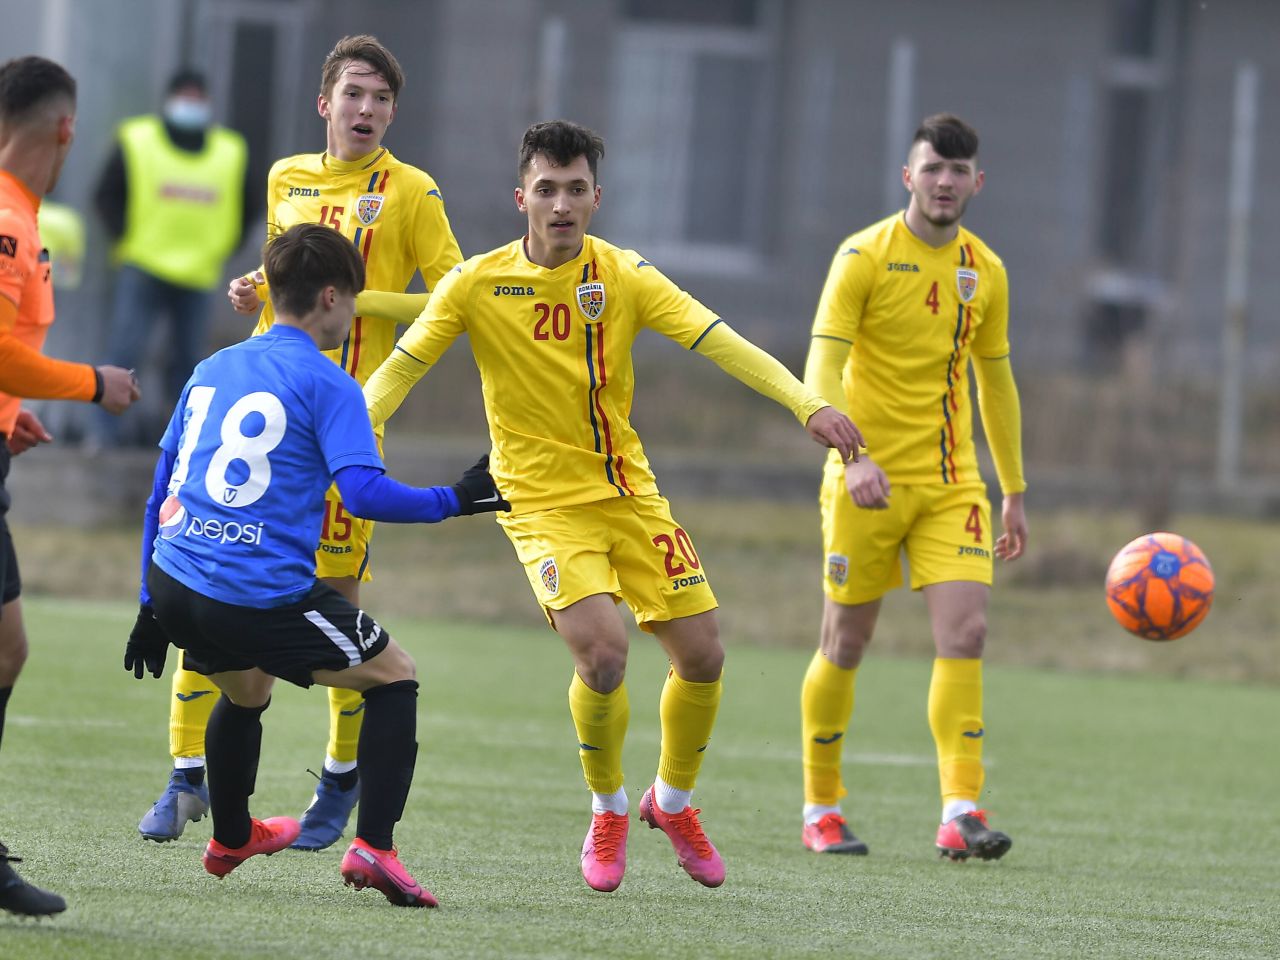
[746,137]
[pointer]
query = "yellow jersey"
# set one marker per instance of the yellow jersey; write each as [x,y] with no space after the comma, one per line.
[553,347]
[915,316]
[391,211]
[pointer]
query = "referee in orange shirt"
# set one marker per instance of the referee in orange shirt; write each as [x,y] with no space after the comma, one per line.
[37,125]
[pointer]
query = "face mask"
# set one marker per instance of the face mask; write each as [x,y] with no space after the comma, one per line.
[187,114]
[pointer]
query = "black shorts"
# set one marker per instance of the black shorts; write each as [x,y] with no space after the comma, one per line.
[322,631]
[10,582]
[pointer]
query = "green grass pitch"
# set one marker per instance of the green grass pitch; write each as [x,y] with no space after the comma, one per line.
[1145,815]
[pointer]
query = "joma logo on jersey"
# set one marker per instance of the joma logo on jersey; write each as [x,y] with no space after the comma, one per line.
[513,292]
[303,192]
[972,552]
[903,268]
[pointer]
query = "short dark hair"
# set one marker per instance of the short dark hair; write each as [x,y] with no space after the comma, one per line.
[304,260]
[561,141]
[368,49]
[949,135]
[27,83]
[184,78]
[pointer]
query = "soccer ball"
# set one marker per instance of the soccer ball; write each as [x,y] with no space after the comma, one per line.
[1160,586]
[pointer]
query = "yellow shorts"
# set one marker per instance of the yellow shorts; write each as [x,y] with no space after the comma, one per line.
[627,547]
[344,541]
[944,528]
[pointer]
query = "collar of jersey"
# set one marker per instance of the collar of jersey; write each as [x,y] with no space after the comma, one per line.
[25,190]
[919,242]
[289,333]
[522,250]
[335,165]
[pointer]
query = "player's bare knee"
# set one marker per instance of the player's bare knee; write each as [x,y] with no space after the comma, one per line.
[965,640]
[601,667]
[844,641]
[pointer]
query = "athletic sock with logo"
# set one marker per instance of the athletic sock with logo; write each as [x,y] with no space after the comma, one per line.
[826,704]
[346,718]
[194,697]
[600,720]
[688,711]
[388,754]
[955,717]
[234,738]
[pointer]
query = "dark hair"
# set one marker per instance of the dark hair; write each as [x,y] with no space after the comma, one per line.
[365,48]
[949,135]
[27,83]
[304,260]
[561,141]
[185,78]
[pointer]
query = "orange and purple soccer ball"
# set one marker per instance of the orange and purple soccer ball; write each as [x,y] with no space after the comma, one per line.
[1160,586]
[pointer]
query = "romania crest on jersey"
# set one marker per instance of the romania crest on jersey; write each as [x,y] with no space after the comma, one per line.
[966,283]
[837,569]
[368,206]
[591,300]
[550,576]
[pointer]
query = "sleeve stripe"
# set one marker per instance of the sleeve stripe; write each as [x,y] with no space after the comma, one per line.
[823,336]
[694,345]
[408,354]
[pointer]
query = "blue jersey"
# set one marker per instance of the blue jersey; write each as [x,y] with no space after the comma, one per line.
[257,435]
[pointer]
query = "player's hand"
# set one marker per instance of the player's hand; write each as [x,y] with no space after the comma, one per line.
[119,389]
[27,432]
[147,644]
[867,484]
[243,293]
[477,493]
[831,428]
[1013,524]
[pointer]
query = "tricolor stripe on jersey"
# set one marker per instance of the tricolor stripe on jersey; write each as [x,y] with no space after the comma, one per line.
[947,435]
[596,380]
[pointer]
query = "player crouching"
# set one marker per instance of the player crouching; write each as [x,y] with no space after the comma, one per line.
[260,431]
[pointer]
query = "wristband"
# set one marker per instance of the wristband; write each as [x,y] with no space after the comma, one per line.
[98,386]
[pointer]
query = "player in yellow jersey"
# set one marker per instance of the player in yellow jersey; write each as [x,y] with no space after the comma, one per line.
[908,304]
[395,216]
[551,319]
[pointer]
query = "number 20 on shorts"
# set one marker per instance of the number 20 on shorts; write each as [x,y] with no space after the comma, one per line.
[679,542]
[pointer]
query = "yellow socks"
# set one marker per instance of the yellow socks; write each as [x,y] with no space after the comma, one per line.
[955,717]
[194,696]
[346,717]
[688,711]
[826,703]
[601,722]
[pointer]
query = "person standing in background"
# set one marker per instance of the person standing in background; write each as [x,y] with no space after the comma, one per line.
[174,197]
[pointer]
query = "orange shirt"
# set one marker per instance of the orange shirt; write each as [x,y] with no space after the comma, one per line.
[26,318]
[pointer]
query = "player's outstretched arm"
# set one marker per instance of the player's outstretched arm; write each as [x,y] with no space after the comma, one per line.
[119,388]
[1013,526]
[477,492]
[763,373]
[368,492]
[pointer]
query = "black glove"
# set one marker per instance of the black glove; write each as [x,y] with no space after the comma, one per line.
[477,492]
[147,644]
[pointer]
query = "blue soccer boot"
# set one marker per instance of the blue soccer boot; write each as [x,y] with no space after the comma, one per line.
[181,803]
[327,816]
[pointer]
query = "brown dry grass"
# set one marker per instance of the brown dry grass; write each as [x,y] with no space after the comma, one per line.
[1047,609]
